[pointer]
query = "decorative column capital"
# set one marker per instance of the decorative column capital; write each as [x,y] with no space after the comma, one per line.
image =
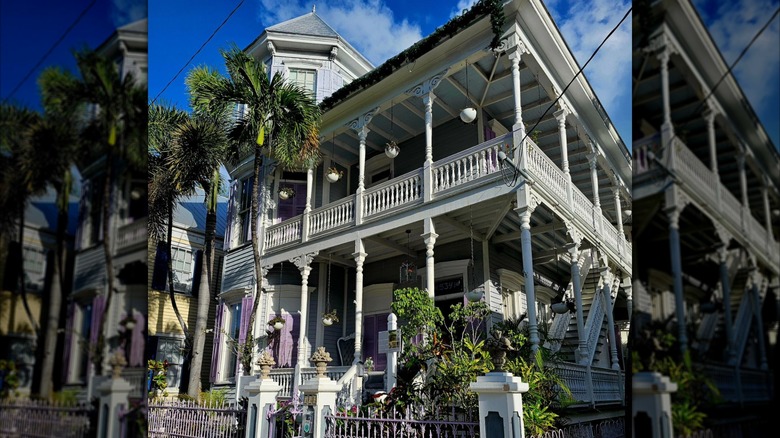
[428,85]
[723,234]
[360,257]
[592,160]
[575,234]
[560,115]
[359,125]
[673,214]
[303,261]
[709,114]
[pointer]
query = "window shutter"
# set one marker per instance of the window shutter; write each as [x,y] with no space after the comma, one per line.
[198,261]
[284,345]
[246,311]
[137,340]
[98,305]
[231,215]
[68,340]
[160,274]
[323,83]
[215,354]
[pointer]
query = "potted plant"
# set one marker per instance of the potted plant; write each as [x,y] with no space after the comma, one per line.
[566,305]
[368,364]
[333,174]
[392,149]
[328,318]
[277,322]
[475,294]
[286,192]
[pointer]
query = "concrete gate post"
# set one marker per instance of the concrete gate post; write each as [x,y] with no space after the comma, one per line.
[262,399]
[652,405]
[500,404]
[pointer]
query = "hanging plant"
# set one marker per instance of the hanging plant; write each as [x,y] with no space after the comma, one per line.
[277,322]
[333,174]
[286,192]
[328,318]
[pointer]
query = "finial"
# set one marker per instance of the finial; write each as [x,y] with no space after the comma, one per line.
[313,8]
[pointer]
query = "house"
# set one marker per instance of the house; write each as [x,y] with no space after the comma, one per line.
[540,215]
[165,339]
[18,341]
[128,207]
[706,205]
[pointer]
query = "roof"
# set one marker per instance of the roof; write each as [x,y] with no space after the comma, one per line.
[309,24]
[190,213]
[139,26]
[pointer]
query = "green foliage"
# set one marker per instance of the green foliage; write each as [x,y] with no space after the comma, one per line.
[537,417]
[9,378]
[159,371]
[244,350]
[66,396]
[214,397]
[417,314]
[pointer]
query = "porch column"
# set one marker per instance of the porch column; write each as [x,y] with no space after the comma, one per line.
[756,296]
[526,204]
[667,129]
[618,210]
[359,125]
[573,248]
[560,115]
[709,117]
[425,91]
[307,210]
[303,262]
[610,319]
[767,211]
[679,303]
[360,257]
[594,181]
[741,158]
[515,55]
[725,284]
[430,236]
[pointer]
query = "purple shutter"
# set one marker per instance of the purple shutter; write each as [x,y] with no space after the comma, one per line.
[68,340]
[231,215]
[137,340]
[160,273]
[85,189]
[380,360]
[98,304]
[246,311]
[284,346]
[217,343]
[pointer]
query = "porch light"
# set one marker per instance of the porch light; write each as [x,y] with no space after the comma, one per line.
[467,115]
[407,273]
[392,150]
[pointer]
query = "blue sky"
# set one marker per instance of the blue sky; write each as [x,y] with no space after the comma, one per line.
[379,29]
[29,28]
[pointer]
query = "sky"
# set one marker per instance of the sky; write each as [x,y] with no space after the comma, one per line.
[379,29]
[732,25]
[29,28]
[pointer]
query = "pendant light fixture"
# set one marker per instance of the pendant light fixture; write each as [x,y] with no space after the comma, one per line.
[333,174]
[391,148]
[408,270]
[474,294]
[330,316]
[468,114]
[277,323]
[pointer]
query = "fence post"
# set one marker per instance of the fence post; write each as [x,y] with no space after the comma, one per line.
[652,405]
[319,399]
[392,351]
[113,397]
[262,399]
[500,404]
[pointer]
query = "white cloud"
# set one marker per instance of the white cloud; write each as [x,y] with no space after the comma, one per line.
[369,25]
[584,25]
[127,11]
[732,27]
[463,5]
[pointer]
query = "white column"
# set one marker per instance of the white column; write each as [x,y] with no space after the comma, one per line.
[610,320]
[667,123]
[425,91]
[392,354]
[767,211]
[429,235]
[360,258]
[307,211]
[362,135]
[526,204]
[360,126]
[514,57]
[560,115]
[709,117]
[741,158]
[428,102]
[618,211]
[303,262]
[582,345]
[676,262]
[594,179]
[756,297]
[322,297]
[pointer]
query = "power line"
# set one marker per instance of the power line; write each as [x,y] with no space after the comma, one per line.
[51,49]
[571,82]
[198,51]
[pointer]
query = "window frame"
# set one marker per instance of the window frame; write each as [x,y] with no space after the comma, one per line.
[177,283]
[293,77]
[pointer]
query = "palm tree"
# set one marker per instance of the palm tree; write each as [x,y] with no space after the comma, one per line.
[115,133]
[185,151]
[284,113]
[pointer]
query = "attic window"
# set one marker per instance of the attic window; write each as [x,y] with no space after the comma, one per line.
[306,79]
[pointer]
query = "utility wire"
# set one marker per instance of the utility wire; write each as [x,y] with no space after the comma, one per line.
[198,51]
[731,67]
[570,82]
[51,49]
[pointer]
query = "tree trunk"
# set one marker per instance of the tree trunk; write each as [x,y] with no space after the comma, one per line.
[171,292]
[55,300]
[106,207]
[22,288]
[204,300]
[255,244]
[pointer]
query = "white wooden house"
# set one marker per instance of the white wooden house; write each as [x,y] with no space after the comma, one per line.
[550,212]
[706,204]
[128,47]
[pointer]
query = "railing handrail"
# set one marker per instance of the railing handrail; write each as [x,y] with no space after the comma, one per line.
[394,181]
[328,206]
[471,150]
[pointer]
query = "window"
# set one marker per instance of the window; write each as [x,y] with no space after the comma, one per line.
[306,79]
[244,207]
[34,267]
[233,331]
[170,349]
[182,263]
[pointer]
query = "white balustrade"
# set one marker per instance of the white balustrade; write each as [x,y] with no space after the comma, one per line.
[469,165]
[543,168]
[397,192]
[333,215]
[696,173]
[607,384]
[583,208]
[558,331]
[283,233]
[131,234]
[594,322]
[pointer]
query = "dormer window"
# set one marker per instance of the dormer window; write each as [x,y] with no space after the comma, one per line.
[306,79]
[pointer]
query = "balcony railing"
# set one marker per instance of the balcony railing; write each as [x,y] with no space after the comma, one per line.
[284,377]
[592,385]
[132,234]
[458,172]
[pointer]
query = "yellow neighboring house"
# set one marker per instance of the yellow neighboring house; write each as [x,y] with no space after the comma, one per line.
[166,339]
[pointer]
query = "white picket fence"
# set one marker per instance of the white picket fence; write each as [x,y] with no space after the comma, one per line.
[41,418]
[169,419]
